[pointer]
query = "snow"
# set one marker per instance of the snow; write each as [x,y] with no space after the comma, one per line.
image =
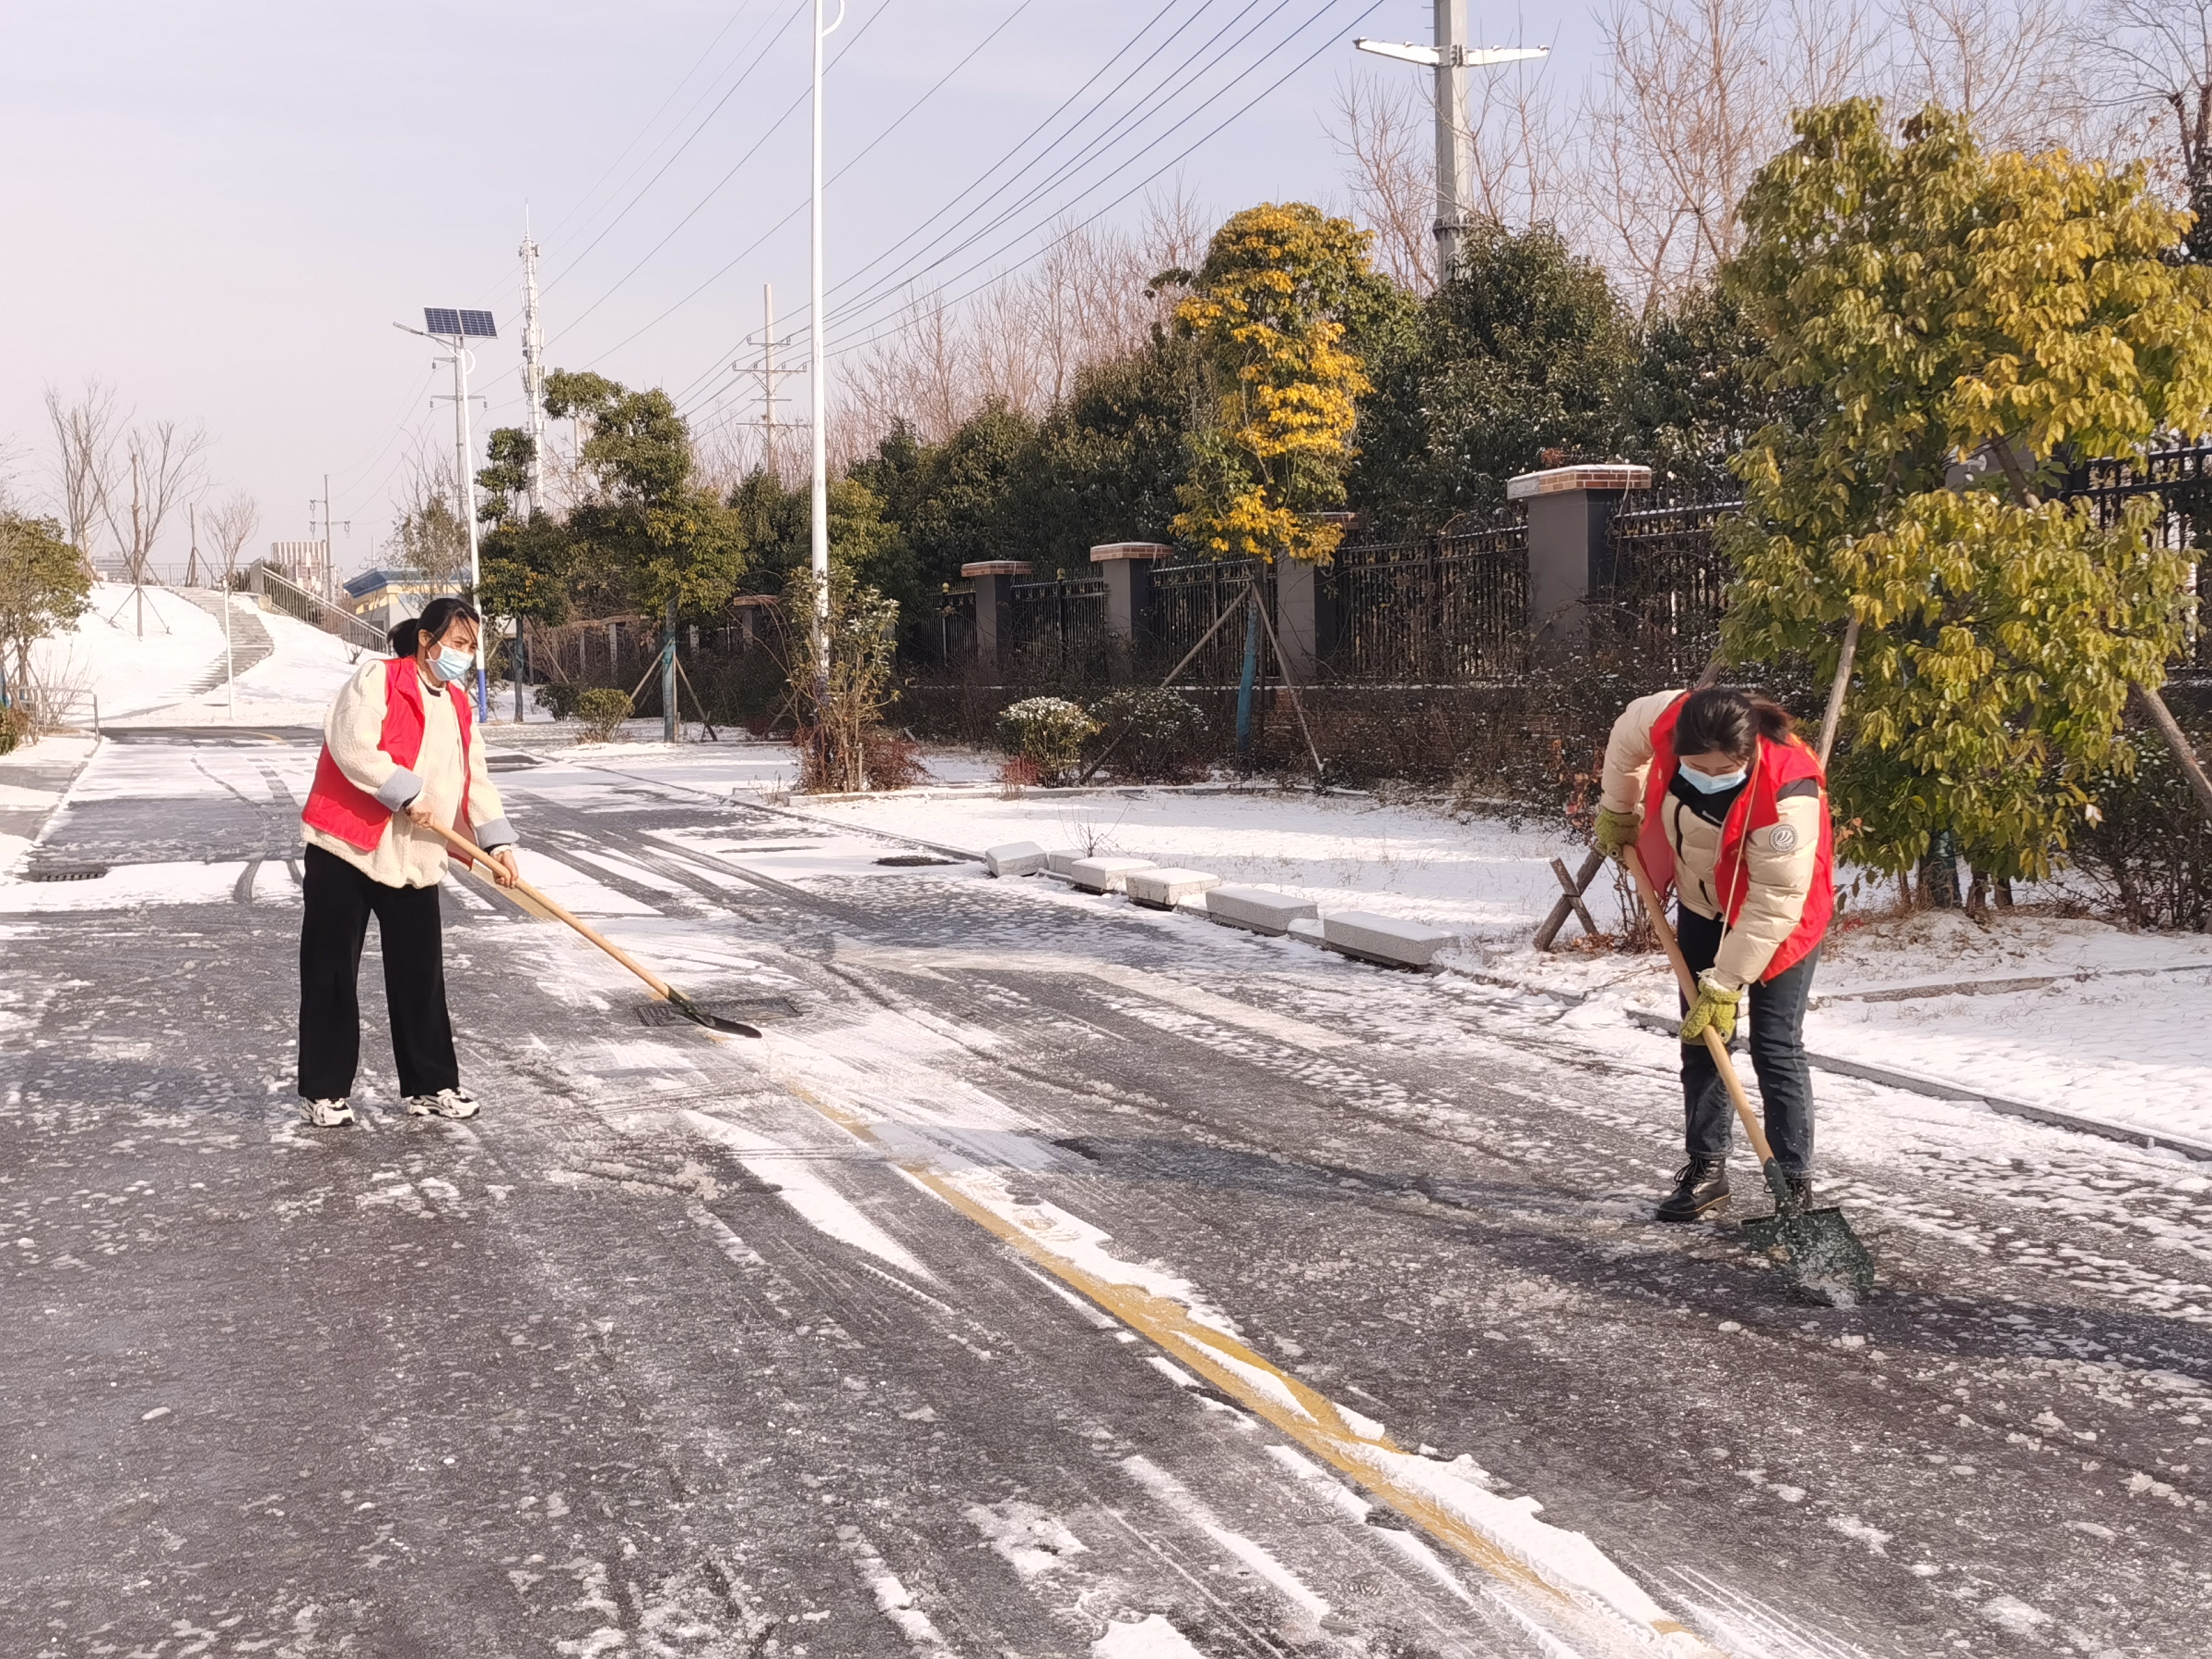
[293,686]
[1150,1637]
[105,656]
[148,680]
[2117,1035]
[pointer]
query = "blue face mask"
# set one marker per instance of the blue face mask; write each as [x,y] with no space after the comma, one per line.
[1708,783]
[450,663]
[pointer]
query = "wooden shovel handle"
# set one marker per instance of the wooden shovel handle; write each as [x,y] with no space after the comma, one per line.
[1688,981]
[470,850]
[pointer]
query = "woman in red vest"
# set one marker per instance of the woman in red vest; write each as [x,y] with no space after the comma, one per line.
[399,755]
[1727,805]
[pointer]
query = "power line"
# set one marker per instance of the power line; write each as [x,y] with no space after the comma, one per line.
[980,180]
[1016,150]
[854,161]
[760,58]
[888,328]
[1172,161]
[700,206]
[1156,99]
[655,118]
[751,247]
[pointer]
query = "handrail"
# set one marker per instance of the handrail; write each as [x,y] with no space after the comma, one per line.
[295,601]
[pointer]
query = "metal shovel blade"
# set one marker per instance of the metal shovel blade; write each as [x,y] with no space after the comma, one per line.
[678,1006]
[1816,1249]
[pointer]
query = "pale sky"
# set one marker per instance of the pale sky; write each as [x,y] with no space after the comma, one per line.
[223,208]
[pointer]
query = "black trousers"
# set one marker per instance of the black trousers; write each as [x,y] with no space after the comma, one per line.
[1777,1058]
[339,900]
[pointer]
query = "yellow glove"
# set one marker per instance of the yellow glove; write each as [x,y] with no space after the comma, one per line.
[1714,1007]
[1615,830]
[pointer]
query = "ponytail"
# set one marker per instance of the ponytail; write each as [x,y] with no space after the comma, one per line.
[405,637]
[1727,719]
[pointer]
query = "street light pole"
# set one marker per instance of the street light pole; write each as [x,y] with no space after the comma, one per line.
[1450,57]
[453,328]
[463,360]
[816,368]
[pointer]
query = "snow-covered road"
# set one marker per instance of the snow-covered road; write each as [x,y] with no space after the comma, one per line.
[1054,1278]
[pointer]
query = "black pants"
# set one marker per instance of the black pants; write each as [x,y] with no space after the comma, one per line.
[339,900]
[1777,1057]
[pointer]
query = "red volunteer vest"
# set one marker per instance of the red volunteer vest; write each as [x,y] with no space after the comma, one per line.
[338,806]
[1774,765]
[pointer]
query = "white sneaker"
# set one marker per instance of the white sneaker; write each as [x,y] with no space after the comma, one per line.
[446,1103]
[327,1114]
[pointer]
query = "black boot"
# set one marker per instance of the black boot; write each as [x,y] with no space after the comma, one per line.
[1700,1185]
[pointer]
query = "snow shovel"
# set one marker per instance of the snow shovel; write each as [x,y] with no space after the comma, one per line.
[675,999]
[1816,1249]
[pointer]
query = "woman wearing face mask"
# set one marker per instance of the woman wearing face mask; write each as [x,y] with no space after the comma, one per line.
[399,755]
[1727,805]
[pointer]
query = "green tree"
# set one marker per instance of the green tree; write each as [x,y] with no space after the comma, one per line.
[1526,349]
[1936,306]
[648,538]
[45,586]
[1269,310]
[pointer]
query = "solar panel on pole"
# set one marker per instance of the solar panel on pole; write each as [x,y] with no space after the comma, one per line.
[442,319]
[479,325]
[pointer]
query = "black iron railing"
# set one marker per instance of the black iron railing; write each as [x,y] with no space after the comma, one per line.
[1446,610]
[1663,605]
[1059,619]
[1190,598]
[2181,479]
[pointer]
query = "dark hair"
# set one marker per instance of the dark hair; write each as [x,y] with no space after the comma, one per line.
[406,638]
[1725,720]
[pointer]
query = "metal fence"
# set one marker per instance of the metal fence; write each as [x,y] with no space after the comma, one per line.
[1190,598]
[1668,586]
[2181,479]
[1059,623]
[1447,611]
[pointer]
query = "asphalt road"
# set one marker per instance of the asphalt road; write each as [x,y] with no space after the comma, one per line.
[1054,1278]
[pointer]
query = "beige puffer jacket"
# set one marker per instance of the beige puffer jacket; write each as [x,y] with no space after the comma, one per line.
[1780,878]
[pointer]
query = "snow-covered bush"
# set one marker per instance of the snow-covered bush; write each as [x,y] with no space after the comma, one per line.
[1156,733]
[602,709]
[1048,731]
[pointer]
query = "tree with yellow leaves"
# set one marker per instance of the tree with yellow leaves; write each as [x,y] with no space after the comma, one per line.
[1267,312]
[1977,320]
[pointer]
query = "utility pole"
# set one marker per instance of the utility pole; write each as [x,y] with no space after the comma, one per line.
[330,566]
[1450,57]
[769,375]
[229,658]
[533,380]
[816,370]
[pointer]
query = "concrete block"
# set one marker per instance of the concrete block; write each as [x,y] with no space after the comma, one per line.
[1099,875]
[1384,940]
[1159,889]
[1257,909]
[1016,858]
[1062,862]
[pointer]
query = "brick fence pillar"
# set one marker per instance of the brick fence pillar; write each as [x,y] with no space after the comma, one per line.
[995,605]
[1131,617]
[1569,508]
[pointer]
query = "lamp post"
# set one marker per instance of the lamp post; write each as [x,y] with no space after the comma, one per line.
[818,550]
[1451,57]
[452,328]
